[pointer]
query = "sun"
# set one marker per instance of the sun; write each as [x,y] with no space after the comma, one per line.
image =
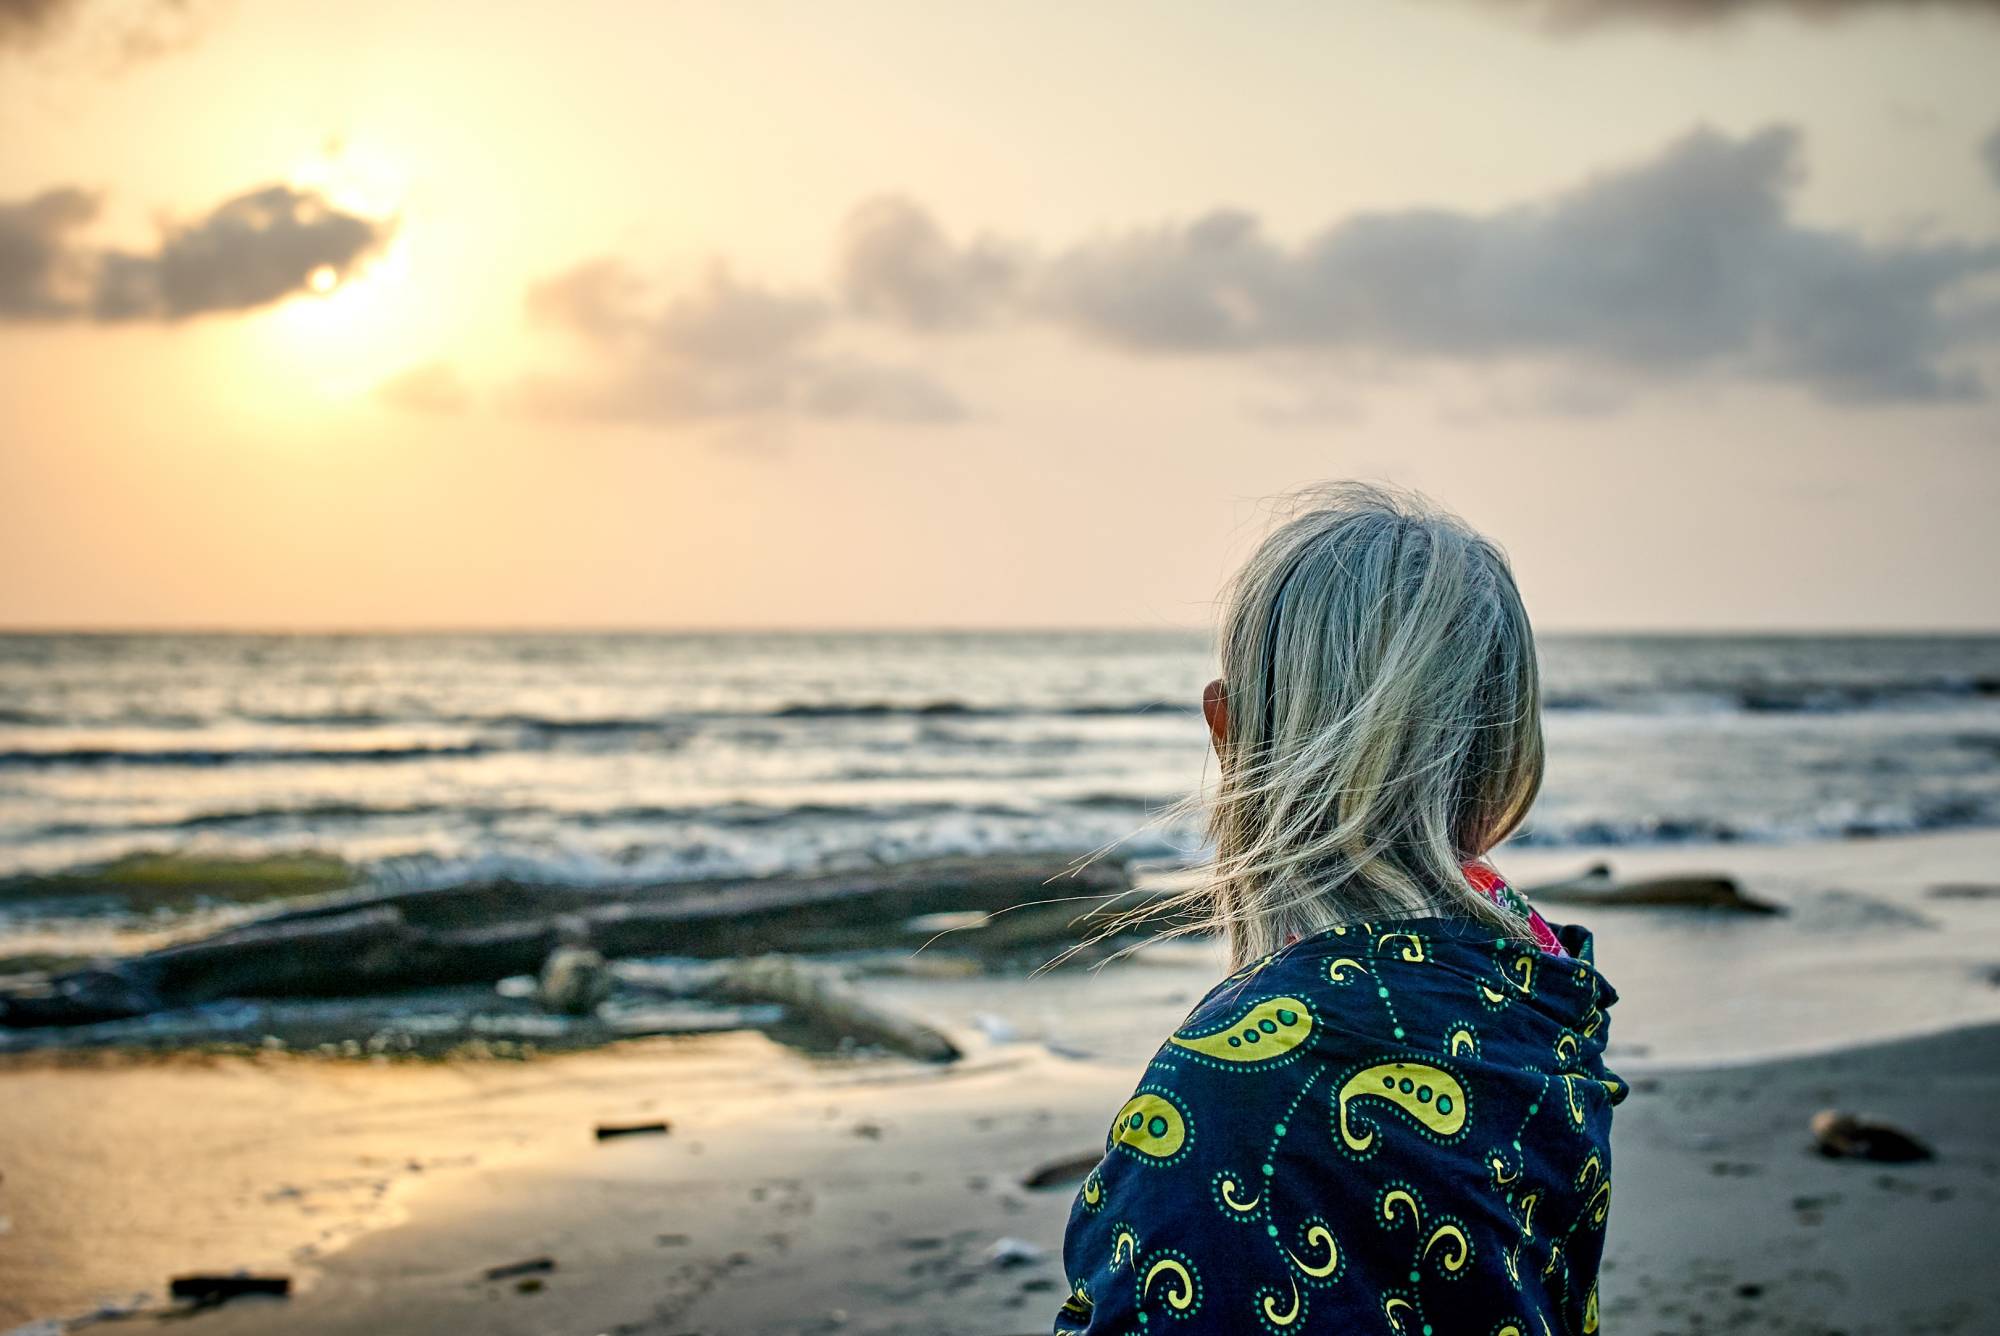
[323,279]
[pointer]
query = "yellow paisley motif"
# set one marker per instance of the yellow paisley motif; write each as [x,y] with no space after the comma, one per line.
[1414,952]
[1333,970]
[1525,965]
[1501,1178]
[1182,1295]
[1528,1203]
[1566,1046]
[1124,1248]
[1151,1126]
[1430,1095]
[1270,1029]
[1593,1169]
[1076,1308]
[1389,1307]
[1398,1197]
[1455,1260]
[1284,1319]
[1462,1041]
[1319,1235]
[1569,1097]
[1590,1312]
[1229,1197]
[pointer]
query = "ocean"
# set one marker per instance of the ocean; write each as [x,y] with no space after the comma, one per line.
[430,759]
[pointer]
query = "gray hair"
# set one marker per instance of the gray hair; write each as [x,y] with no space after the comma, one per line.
[1384,723]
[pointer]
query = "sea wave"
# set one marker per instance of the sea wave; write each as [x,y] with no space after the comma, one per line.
[40,758]
[1798,697]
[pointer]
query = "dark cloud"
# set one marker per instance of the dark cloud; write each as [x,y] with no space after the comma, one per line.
[1584,15]
[25,23]
[41,277]
[124,34]
[724,350]
[251,251]
[897,265]
[1687,262]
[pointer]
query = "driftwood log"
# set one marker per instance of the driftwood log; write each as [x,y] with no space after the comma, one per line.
[1597,887]
[815,994]
[357,945]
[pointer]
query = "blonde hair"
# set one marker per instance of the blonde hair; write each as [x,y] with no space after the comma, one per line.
[1384,723]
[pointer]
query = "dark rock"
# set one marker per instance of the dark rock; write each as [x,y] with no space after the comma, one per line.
[1069,1169]
[205,1291]
[611,1131]
[1966,891]
[574,981]
[532,1266]
[1840,1135]
[1692,891]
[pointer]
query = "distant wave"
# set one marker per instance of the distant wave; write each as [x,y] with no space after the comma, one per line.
[1783,697]
[872,709]
[953,708]
[216,756]
[1801,697]
[739,815]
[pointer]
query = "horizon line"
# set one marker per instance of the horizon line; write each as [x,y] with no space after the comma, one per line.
[805,629]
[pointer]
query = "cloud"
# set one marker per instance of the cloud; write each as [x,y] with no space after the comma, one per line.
[1685,263]
[1567,16]
[723,350]
[127,35]
[251,251]
[26,23]
[897,265]
[1989,153]
[431,387]
[41,278]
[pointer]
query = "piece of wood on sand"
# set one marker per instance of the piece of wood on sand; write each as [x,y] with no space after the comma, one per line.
[811,993]
[380,943]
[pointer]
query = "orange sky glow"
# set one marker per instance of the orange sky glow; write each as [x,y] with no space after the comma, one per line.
[901,314]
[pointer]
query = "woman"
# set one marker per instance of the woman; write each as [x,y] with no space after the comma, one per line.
[1394,1116]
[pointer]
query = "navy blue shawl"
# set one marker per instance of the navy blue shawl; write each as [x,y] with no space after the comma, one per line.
[1393,1127]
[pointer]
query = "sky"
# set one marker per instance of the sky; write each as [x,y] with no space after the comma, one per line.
[931,314]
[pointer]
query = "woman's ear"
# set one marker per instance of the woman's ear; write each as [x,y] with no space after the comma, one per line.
[1215,709]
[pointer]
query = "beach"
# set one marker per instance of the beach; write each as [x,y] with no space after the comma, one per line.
[801,1191]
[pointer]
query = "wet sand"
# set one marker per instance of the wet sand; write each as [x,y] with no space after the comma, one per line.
[801,1194]
[868,1201]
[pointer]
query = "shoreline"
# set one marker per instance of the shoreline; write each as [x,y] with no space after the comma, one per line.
[873,1188]
[867,1200]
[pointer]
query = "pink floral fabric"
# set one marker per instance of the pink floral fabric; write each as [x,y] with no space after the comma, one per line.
[1495,888]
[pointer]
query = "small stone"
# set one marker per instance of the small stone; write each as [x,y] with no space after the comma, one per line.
[1842,1135]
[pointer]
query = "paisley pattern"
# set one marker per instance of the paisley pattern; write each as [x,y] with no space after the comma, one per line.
[1403,1128]
[1151,1126]
[1268,1032]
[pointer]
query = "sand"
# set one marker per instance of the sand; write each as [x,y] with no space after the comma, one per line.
[803,1194]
